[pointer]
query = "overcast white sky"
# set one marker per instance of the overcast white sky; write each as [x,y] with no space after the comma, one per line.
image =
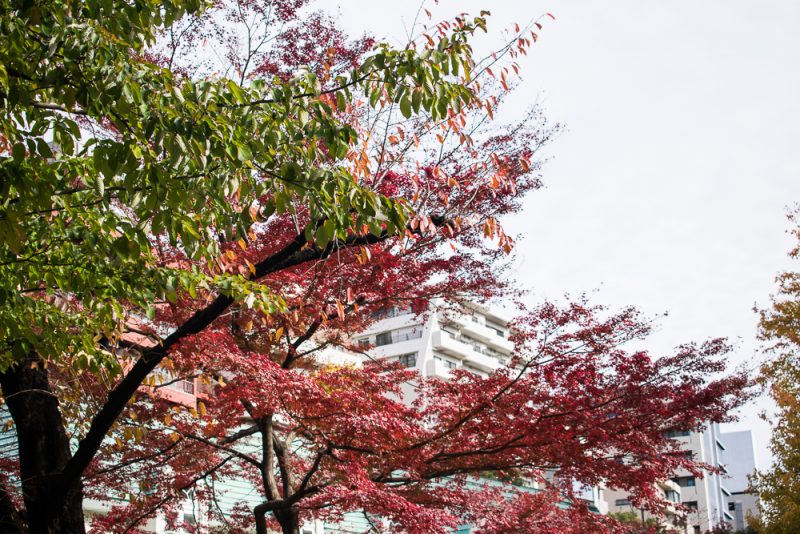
[669,186]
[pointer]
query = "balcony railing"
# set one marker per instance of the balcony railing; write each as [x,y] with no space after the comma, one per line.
[396,336]
[187,386]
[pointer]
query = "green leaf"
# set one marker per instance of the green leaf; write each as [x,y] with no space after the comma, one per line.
[325,233]
[405,106]
[18,152]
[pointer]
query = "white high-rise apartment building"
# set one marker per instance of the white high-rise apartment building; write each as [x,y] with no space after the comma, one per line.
[474,339]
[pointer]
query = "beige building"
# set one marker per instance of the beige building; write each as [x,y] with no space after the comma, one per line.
[705,496]
[674,520]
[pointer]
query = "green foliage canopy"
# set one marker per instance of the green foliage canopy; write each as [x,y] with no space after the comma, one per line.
[104,155]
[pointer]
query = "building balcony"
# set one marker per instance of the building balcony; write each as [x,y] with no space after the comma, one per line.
[450,345]
[180,392]
[474,327]
[482,361]
[395,349]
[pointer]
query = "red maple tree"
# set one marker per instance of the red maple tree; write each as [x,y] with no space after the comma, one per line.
[573,408]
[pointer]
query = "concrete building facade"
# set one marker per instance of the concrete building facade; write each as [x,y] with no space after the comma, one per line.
[724,497]
[739,458]
[474,339]
[618,501]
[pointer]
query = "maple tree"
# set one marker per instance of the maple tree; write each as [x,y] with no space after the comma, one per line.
[633,523]
[322,440]
[779,487]
[234,225]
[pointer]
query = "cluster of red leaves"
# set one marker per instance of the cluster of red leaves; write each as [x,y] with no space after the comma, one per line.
[573,408]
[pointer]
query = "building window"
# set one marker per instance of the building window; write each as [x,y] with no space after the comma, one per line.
[408,360]
[447,363]
[731,506]
[676,433]
[672,496]
[363,342]
[390,312]
[397,336]
[497,331]
[685,482]
[384,338]
[622,502]
[691,505]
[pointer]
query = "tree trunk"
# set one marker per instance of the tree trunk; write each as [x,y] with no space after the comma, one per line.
[10,520]
[52,504]
[289,520]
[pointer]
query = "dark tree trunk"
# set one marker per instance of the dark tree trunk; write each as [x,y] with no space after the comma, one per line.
[10,520]
[52,503]
[289,520]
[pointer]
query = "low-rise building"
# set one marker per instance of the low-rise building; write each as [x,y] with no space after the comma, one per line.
[674,520]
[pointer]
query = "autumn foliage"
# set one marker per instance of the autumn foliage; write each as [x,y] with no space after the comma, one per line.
[778,487]
[373,178]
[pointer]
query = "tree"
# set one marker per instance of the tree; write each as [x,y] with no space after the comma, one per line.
[112,156]
[337,439]
[633,523]
[725,528]
[779,488]
[196,223]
